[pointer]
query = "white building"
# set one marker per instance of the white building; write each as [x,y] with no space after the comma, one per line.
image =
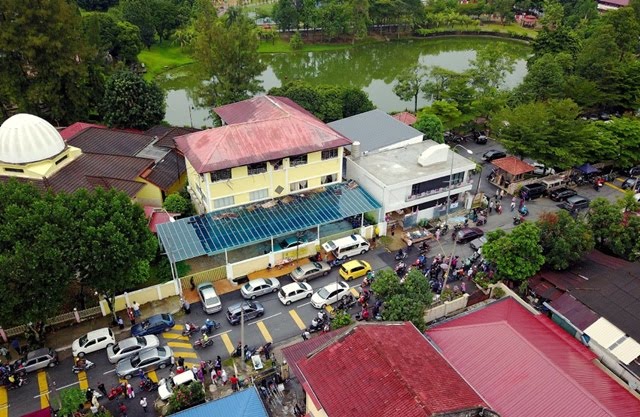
[412,182]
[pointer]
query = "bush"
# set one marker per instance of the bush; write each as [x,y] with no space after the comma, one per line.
[341,319]
[71,399]
[186,396]
[175,203]
[296,41]
[498,293]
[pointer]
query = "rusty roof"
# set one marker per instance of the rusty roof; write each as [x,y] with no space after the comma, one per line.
[573,310]
[166,134]
[406,118]
[260,129]
[110,142]
[167,171]
[72,130]
[513,165]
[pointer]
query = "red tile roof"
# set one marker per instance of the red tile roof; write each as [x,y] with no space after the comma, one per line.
[385,370]
[406,118]
[70,131]
[525,365]
[513,165]
[260,129]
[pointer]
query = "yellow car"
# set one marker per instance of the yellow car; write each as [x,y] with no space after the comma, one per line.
[354,269]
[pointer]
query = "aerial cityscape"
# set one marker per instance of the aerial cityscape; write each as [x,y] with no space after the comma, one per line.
[342,208]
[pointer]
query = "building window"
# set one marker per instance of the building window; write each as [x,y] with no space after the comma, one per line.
[258,168]
[258,195]
[294,161]
[277,164]
[327,179]
[61,159]
[297,186]
[330,154]
[223,202]
[14,170]
[437,185]
[220,175]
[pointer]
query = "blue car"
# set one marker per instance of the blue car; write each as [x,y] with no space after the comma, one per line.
[153,325]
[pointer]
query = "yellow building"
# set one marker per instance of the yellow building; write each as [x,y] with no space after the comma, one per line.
[269,147]
[92,156]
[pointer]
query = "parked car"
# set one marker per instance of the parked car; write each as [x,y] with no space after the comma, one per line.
[148,360]
[577,202]
[296,291]
[130,346]
[258,287]
[153,325]
[493,154]
[39,359]
[634,171]
[630,183]
[330,294]
[208,298]
[309,271]
[481,139]
[252,309]
[468,234]
[291,242]
[165,389]
[542,170]
[354,269]
[93,341]
[534,190]
[562,193]
[478,243]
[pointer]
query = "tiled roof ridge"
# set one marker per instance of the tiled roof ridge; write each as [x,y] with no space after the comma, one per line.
[213,149]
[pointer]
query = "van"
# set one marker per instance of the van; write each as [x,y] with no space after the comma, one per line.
[347,246]
[534,190]
[166,390]
[576,202]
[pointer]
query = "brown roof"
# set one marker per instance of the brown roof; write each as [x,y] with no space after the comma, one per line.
[513,165]
[406,118]
[166,171]
[167,133]
[92,170]
[110,142]
[260,129]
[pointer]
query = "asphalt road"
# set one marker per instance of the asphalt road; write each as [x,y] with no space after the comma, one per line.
[279,322]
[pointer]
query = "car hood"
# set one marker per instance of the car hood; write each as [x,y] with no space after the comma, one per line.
[164,392]
[75,346]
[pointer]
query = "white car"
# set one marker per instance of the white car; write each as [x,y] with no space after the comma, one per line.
[329,294]
[258,287]
[297,291]
[540,169]
[93,341]
[209,299]
[130,346]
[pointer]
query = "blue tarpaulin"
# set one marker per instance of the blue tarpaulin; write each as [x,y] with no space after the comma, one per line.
[587,169]
[245,403]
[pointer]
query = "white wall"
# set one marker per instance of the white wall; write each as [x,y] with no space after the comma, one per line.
[411,141]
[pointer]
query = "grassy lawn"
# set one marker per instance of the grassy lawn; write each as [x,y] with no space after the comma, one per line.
[282,46]
[162,57]
[491,27]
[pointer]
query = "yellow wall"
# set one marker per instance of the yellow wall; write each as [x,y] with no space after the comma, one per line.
[41,169]
[178,185]
[311,409]
[149,195]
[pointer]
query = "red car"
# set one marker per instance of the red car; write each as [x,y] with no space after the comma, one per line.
[468,234]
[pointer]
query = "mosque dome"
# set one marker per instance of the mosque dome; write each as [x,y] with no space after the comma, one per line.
[27,138]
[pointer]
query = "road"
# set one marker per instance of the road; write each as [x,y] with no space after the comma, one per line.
[278,324]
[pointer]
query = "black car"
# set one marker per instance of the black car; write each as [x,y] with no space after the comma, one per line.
[561,194]
[533,190]
[492,154]
[468,234]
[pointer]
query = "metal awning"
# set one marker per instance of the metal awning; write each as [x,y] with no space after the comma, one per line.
[215,232]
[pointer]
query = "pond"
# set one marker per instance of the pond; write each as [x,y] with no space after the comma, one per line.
[372,68]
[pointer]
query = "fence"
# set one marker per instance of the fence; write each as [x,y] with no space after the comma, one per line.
[339,235]
[446,308]
[210,275]
[142,296]
[74,316]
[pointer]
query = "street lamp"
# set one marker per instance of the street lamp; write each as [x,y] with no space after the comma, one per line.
[470,152]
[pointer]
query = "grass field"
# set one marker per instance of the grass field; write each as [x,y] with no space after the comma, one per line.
[491,27]
[162,57]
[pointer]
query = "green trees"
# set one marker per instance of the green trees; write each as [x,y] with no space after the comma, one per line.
[285,14]
[564,240]
[614,231]
[409,84]
[227,53]
[45,65]
[119,39]
[517,255]
[175,203]
[129,101]
[431,126]
[326,102]
[47,242]
[101,5]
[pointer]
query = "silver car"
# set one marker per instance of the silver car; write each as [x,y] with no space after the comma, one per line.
[130,346]
[305,272]
[148,360]
[210,301]
[39,359]
[258,287]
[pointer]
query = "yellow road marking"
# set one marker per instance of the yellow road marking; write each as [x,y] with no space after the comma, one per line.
[264,331]
[615,187]
[329,309]
[297,319]
[354,292]
[4,402]
[189,365]
[178,327]
[174,336]
[82,379]
[43,387]
[180,345]
[227,342]
[153,376]
[186,354]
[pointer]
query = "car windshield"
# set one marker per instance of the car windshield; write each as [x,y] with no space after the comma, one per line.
[116,348]
[323,293]
[165,317]
[298,271]
[135,361]
[83,340]
[141,341]
[248,287]
[213,301]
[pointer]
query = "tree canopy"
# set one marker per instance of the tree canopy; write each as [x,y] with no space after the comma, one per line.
[516,255]
[564,239]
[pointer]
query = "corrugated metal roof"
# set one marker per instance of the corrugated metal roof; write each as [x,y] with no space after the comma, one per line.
[110,142]
[264,129]
[513,165]
[615,340]
[70,131]
[577,313]
[386,370]
[167,171]
[374,130]
[245,403]
[526,365]
[167,133]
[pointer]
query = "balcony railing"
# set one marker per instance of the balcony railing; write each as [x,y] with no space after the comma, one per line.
[413,197]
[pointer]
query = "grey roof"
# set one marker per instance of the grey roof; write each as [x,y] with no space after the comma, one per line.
[395,166]
[374,129]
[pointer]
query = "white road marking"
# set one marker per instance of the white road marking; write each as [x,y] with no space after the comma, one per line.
[305,304]
[109,372]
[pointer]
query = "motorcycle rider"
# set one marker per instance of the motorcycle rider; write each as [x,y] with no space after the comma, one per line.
[204,339]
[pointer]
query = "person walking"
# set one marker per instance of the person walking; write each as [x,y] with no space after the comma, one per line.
[218,364]
[120,323]
[490,206]
[131,315]
[123,410]
[130,392]
[499,208]
[497,193]
[513,205]
[438,234]
[102,389]
[234,382]
[501,194]
[143,404]
[173,363]
[136,309]
[306,335]
[181,361]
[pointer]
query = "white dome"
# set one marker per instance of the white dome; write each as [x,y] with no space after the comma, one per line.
[27,138]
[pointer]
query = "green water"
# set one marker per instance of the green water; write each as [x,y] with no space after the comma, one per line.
[372,67]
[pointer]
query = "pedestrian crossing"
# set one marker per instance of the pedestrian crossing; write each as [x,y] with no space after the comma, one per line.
[4,402]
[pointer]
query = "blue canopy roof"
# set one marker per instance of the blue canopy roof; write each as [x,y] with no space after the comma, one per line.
[587,169]
[218,231]
[245,403]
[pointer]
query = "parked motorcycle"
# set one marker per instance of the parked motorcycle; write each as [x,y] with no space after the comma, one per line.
[147,384]
[316,325]
[346,303]
[201,343]
[524,211]
[424,248]
[401,255]
[76,369]
[16,381]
